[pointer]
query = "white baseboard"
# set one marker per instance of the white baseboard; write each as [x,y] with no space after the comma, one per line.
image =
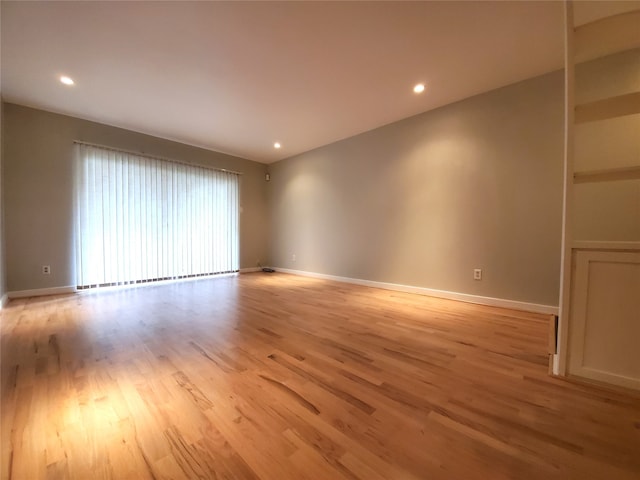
[250,269]
[462,297]
[556,365]
[38,292]
[4,300]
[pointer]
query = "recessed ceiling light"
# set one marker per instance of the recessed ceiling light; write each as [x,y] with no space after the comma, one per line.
[419,88]
[277,145]
[66,80]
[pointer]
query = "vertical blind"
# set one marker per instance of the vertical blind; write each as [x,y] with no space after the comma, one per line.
[141,219]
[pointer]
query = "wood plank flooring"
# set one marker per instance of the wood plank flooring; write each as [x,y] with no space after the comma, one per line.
[281,377]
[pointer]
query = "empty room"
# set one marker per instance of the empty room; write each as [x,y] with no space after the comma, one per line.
[320,240]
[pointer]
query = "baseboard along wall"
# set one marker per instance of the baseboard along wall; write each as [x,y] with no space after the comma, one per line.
[40,292]
[463,297]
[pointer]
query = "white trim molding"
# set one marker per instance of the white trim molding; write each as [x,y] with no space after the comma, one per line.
[462,297]
[39,292]
[250,269]
[593,245]
[4,300]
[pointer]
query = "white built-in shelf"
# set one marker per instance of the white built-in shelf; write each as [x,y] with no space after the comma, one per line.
[604,245]
[613,107]
[607,175]
[607,36]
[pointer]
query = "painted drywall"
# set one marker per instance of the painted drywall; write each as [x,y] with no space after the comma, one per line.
[38,188]
[3,288]
[2,257]
[424,201]
[607,210]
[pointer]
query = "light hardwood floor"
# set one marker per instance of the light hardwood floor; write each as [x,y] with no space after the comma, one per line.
[280,377]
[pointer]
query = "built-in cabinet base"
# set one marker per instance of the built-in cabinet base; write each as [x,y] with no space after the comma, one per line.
[605,317]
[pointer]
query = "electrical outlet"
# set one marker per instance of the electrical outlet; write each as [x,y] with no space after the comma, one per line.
[293,257]
[477,274]
[46,269]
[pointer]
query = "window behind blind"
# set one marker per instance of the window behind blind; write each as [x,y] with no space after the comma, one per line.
[141,219]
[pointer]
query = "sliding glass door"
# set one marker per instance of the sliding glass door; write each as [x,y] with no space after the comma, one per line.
[141,219]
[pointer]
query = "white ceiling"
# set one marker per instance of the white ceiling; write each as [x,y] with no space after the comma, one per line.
[237,76]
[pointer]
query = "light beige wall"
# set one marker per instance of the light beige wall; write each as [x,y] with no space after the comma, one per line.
[424,201]
[38,190]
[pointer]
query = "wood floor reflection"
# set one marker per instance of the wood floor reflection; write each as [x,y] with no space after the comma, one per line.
[273,376]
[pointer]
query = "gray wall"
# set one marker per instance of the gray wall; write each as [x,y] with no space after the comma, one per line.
[38,187]
[424,201]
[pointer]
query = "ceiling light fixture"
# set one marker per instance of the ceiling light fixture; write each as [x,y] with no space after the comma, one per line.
[277,145]
[66,80]
[419,88]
